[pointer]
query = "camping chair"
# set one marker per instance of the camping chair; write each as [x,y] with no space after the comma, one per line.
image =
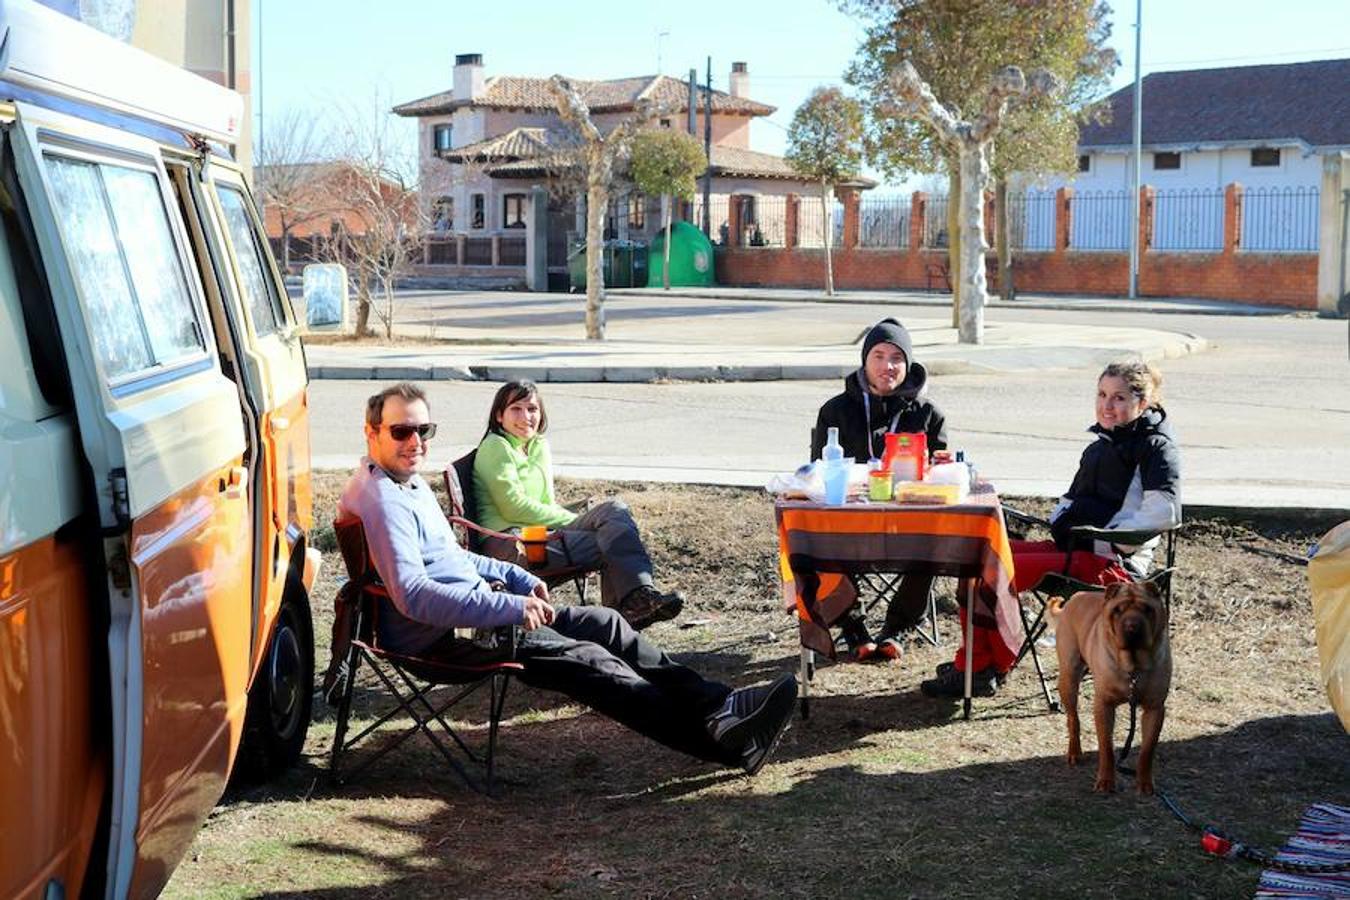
[411,681]
[459,488]
[1060,584]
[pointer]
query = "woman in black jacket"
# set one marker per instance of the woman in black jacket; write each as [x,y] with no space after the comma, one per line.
[886,395]
[1128,478]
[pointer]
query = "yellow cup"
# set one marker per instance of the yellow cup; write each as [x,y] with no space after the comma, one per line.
[535,539]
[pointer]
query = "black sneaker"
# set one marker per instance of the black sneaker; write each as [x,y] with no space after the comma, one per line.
[645,605]
[752,720]
[952,683]
[944,668]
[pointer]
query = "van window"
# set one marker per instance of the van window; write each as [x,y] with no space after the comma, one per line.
[264,305]
[123,255]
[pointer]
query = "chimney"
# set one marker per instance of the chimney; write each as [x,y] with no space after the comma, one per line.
[740,79]
[469,76]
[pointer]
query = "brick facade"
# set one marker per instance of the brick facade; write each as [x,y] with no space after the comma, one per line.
[1275,279]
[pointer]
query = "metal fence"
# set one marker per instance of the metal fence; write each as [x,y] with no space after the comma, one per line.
[883,222]
[766,221]
[811,223]
[1031,220]
[718,206]
[935,221]
[1279,220]
[1100,220]
[1188,219]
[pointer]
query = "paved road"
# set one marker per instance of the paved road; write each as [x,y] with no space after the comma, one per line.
[1264,416]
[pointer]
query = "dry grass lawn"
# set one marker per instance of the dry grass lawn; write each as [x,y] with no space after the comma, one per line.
[881,793]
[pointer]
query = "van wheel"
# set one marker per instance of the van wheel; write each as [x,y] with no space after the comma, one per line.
[279,702]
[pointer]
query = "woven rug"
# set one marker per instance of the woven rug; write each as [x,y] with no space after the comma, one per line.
[1323,838]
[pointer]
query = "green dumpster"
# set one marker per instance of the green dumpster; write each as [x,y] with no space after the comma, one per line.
[691,257]
[616,263]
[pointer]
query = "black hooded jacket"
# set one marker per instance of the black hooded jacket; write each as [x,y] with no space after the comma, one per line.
[1128,478]
[907,410]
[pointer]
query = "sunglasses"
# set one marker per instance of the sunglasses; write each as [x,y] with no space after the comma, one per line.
[426,431]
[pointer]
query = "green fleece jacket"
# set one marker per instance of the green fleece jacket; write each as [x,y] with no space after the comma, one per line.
[513,482]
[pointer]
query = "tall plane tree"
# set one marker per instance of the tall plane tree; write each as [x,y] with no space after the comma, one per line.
[824,143]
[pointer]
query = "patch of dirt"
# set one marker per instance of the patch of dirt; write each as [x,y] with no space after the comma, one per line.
[881,793]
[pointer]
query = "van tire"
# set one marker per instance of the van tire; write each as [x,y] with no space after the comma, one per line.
[282,695]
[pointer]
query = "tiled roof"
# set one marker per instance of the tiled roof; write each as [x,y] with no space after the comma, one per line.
[1307,101]
[518,143]
[615,95]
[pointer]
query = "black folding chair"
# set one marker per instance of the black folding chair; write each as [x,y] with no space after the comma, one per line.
[463,505]
[1060,584]
[414,683]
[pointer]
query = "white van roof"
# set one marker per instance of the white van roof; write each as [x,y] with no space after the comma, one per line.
[49,52]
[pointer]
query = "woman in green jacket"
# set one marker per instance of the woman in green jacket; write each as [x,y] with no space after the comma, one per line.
[513,481]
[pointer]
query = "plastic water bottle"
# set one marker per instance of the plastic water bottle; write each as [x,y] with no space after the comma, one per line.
[836,469]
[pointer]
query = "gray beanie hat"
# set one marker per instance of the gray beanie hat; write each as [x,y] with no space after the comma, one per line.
[888,331]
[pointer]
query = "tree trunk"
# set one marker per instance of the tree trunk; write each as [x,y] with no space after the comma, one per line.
[974,289]
[362,305]
[665,267]
[825,217]
[1002,218]
[388,286]
[954,236]
[596,201]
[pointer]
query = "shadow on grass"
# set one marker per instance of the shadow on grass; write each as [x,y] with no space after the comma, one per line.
[587,809]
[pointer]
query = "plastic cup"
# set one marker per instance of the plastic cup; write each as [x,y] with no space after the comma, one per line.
[535,539]
[836,484]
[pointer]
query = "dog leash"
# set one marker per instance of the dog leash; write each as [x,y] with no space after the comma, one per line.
[1214,840]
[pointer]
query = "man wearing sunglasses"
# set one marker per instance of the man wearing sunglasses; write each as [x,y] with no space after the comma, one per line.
[588,653]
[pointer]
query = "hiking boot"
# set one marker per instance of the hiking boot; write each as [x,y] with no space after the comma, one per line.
[1000,677]
[645,605]
[952,683]
[751,721]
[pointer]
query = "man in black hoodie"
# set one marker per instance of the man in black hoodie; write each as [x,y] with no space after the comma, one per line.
[886,395]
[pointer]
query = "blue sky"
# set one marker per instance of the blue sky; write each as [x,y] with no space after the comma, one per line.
[317,55]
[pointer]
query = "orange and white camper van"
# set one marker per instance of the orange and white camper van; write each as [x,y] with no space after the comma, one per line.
[154,466]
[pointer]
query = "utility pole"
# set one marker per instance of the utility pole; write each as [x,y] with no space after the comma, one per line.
[1138,144]
[693,102]
[707,151]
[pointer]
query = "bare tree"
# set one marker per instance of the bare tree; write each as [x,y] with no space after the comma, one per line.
[825,144]
[598,154]
[971,142]
[285,165]
[376,204]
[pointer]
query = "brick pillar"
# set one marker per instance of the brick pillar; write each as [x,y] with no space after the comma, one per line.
[1063,218]
[989,220]
[496,250]
[852,199]
[792,212]
[734,220]
[1232,218]
[459,249]
[918,213]
[1146,194]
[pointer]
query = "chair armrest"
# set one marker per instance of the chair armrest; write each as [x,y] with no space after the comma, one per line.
[580,506]
[1024,518]
[1057,584]
[1122,536]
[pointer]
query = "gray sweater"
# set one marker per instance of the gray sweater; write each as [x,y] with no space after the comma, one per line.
[433,583]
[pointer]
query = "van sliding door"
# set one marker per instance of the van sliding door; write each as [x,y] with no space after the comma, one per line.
[161,429]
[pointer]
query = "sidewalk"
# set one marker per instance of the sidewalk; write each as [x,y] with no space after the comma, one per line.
[725,334]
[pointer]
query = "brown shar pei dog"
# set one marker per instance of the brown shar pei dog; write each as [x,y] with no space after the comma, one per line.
[1120,635]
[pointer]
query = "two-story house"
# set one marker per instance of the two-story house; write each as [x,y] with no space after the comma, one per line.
[485,142]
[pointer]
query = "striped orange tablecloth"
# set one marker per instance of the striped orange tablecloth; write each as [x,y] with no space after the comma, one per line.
[820,545]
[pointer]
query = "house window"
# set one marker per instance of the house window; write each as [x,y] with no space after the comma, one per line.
[637,211]
[478,209]
[1084,163]
[440,138]
[1163,161]
[513,211]
[1265,156]
[443,214]
[665,123]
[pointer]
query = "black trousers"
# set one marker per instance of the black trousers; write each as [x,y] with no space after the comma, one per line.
[592,655]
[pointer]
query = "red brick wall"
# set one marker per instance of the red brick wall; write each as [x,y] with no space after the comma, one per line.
[1276,279]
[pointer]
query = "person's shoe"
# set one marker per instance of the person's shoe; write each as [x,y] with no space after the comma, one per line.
[944,668]
[864,651]
[889,648]
[952,683]
[751,721]
[645,605]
